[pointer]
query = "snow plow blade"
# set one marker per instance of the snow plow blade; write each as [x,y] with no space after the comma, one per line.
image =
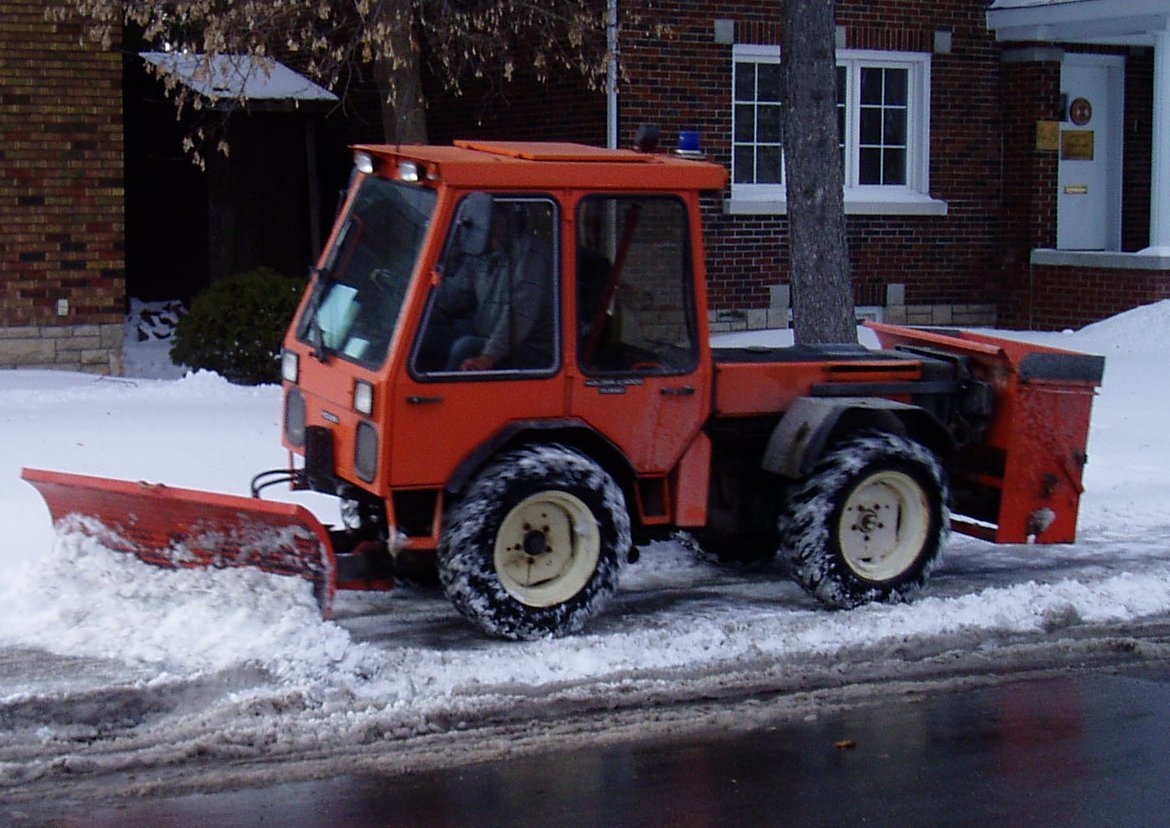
[173,528]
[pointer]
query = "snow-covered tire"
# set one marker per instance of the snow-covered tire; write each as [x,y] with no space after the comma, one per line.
[533,547]
[869,523]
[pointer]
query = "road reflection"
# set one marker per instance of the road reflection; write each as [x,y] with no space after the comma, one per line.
[1077,750]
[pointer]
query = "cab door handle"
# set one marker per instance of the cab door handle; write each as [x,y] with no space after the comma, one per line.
[423,400]
[680,391]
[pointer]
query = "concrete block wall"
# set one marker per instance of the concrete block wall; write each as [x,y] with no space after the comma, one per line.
[94,349]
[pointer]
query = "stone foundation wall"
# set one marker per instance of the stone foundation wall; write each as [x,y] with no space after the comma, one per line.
[94,349]
[966,316]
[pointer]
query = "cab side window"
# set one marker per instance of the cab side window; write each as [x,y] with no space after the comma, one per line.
[635,302]
[495,306]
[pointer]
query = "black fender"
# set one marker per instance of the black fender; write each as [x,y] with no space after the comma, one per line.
[569,431]
[811,424]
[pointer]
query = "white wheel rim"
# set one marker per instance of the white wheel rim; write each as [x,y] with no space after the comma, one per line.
[547,548]
[884,525]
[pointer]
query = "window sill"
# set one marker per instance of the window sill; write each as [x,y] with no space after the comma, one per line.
[900,205]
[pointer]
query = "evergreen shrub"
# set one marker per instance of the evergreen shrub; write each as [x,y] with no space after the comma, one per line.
[236,326]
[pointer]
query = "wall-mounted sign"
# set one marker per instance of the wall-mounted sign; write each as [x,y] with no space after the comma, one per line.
[1048,135]
[1076,145]
[1080,111]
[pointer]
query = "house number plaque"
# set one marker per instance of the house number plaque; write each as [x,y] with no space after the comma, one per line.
[1076,145]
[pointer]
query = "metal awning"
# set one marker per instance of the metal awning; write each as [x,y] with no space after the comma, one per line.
[1104,22]
[235,80]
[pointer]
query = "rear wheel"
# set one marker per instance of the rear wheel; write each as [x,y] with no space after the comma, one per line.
[869,524]
[532,549]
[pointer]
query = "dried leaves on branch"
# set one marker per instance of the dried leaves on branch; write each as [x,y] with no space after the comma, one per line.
[336,41]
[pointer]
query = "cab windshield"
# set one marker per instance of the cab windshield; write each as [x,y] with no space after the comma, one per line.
[362,283]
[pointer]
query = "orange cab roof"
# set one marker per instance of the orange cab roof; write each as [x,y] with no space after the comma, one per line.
[528,164]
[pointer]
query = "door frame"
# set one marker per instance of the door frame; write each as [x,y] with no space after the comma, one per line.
[1114,126]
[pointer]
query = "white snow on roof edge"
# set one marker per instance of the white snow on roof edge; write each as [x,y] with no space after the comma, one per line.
[238,76]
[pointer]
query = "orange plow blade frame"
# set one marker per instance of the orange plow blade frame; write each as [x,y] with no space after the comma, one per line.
[173,528]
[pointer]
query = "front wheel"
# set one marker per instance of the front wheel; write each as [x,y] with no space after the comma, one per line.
[869,524]
[532,549]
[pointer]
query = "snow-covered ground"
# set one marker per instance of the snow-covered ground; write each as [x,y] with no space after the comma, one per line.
[107,665]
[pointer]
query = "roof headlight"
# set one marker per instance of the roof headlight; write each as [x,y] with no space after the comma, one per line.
[364,163]
[409,172]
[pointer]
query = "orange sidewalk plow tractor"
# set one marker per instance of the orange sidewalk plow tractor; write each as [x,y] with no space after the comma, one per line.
[501,369]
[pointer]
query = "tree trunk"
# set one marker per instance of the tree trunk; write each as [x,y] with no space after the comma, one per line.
[822,288]
[400,82]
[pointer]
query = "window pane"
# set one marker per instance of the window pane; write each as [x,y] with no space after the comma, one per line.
[354,313]
[745,81]
[897,82]
[870,166]
[745,123]
[769,125]
[768,161]
[635,307]
[769,89]
[894,166]
[894,127]
[745,164]
[871,125]
[871,86]
[494,308]
[842,76]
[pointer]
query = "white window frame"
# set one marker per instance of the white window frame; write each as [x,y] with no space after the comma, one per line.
[912,198]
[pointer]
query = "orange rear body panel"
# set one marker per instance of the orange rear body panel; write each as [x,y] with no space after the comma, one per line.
[760,388]
[1032,458]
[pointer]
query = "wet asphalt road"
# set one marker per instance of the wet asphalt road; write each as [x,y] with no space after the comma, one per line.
[1087,749]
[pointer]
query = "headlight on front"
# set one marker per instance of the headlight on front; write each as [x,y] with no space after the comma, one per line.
[290,366]
[363,398]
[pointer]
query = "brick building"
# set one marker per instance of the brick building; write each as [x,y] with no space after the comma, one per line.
[964,155]
[62,295]
[1007,161]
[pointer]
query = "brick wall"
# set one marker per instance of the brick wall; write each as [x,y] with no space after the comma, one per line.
[678,77]
[1070,297]
[1137,150]
[62,294]
[1030,95]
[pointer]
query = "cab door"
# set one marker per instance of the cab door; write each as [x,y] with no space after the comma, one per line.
[639,353]
[487,351]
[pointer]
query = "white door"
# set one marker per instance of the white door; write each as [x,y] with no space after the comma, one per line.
[1088,206]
